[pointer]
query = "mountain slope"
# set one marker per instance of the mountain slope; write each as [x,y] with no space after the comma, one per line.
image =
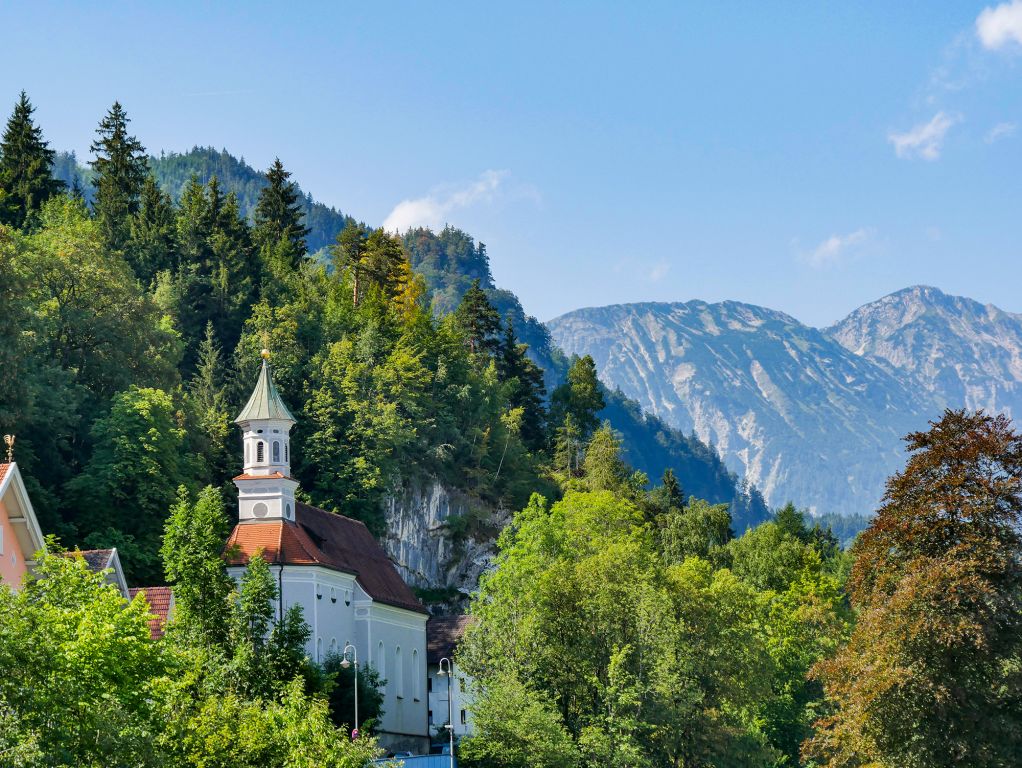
[785,405]
[961,352]
[450,260]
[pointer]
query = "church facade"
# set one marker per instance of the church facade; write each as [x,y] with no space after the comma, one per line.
[349,590]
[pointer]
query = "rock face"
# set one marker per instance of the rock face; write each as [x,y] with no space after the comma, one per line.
[786,405]
[420,544]
[960,351]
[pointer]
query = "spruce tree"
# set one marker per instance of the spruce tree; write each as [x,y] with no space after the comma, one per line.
[349,255]
[479,320]
[152,246]
[121,168]
[581,396]
[278,216]
[527,389]
[26,162]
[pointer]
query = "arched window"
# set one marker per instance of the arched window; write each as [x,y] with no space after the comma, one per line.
[285,453]
[259,452]
[399,674]
[319,648]
[381,663]
[416,677]
[276,451]
[333,645]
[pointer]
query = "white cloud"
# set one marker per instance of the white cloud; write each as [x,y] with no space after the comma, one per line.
[1000,131]
[924,140]
[433,209]
[836,247]
[1000,25]
[659,271]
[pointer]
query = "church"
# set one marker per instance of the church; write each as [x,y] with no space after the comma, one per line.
[350,592]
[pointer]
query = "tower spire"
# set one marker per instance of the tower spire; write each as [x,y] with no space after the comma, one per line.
[266,490]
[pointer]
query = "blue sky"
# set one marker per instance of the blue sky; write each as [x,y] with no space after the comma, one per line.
[808,157]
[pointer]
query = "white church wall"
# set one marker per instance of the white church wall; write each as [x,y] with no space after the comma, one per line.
[396,639]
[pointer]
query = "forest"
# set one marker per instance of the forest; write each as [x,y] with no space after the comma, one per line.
[633,618]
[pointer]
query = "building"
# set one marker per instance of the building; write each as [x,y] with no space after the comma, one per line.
[20,537]
[349,590]
[443,634]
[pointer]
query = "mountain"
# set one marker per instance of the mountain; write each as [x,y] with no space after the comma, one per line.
[787,406]
[957,350]
[173,170]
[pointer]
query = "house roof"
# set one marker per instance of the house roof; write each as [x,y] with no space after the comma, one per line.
[3,470]
[161,600]
[265,402]
[102,560]
[443,633]
[316,537]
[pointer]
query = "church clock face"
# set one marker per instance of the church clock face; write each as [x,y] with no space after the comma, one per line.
[260,510]
[287,510]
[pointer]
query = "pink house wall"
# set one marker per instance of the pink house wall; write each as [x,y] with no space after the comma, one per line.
[12,559]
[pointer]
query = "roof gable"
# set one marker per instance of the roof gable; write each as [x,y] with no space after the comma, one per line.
[21,515]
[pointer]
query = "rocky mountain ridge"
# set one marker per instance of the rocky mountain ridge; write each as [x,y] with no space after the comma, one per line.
[814,416]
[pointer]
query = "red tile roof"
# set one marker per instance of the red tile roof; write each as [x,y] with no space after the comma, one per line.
[3,471]
[316,537]
[443,633]
[159,599]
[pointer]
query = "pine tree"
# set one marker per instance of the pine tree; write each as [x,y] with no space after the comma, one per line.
[278,217]
[152,246]
[207,398]
[527,389]
[26,162]
[121,168]
[479,320]
[581,396]
[349,254]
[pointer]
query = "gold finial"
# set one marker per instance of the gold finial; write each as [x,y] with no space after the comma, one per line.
[9,442]
[265,353]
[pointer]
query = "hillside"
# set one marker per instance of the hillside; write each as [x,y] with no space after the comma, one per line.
[786,406]
[173,170]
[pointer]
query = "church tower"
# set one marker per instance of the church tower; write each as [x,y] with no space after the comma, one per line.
[266,490]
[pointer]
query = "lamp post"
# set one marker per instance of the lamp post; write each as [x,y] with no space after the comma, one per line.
[450,716]
[345,664]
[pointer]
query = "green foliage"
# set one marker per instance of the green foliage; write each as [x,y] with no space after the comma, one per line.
[662,664]
[342,694]
[515,727]
[26,160]
[137,464]
[84,692]
[192,547]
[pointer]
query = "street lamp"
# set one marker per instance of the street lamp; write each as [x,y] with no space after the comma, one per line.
[450,717]
[344,665]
